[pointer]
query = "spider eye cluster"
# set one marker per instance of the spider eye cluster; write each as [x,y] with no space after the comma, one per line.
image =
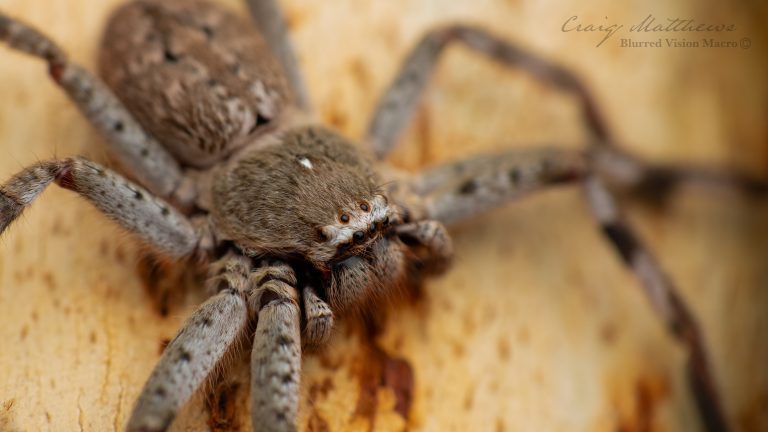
[360,222]
[344,217]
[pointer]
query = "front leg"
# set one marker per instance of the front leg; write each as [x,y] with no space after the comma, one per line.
[151,218]
[276,355]
[319,319]
[663,296]
[398,104]
[463,189]
[433,237]
[656,182]
[200,346]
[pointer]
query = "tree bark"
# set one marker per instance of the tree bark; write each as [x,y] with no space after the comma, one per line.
[537,327]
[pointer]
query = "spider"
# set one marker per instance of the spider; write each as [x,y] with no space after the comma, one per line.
[299,226]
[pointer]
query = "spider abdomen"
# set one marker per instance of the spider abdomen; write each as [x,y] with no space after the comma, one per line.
[199,78]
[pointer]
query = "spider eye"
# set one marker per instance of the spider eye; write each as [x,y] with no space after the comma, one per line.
[321,235]
[359,236]
[364,207]
[344,218]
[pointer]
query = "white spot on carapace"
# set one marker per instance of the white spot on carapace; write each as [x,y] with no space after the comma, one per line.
[306,163]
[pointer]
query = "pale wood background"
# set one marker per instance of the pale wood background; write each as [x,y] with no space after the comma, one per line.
[537,328]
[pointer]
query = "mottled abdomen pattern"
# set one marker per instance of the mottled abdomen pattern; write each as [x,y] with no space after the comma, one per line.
[199,78]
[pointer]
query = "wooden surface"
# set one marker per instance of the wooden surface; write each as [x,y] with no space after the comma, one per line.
[537,328]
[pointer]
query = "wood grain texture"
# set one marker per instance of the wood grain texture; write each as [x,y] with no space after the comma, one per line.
[537,327]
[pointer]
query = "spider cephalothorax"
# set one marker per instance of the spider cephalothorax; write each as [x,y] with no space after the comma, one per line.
[316,180]
[333,212]
[297,223]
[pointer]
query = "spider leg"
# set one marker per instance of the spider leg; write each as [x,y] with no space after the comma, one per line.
[276,355]
[319,318]
[627,172]
[458,190]
[270,20]
[665,299]
[398,104]
[462,189]
[433,236]
[193,355]
[154,220]
[135,149]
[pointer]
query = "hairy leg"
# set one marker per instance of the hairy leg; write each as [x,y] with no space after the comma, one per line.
[193,355]
[458,190]
[151,218]
[463,189]
[135,149]
[433,237]
[270,20]
[655,181]
[319,318]
[276,355]
[398,104]
[664,298]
